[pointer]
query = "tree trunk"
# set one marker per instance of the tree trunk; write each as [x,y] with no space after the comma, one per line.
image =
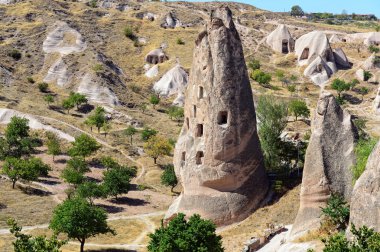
[91,128]
[131,139]
[155,160]
[13,184]
[82,245]
[98,130]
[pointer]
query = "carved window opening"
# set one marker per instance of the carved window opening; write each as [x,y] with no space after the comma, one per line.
[200,92]
[195,111]
[222,117]
[305,53]
[183,157]
[187,123]
[199,132]
[199,157]
[285,46]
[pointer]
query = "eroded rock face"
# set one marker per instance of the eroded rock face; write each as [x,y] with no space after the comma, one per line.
[280,40]
[329,158]
[365,201]
[218,158]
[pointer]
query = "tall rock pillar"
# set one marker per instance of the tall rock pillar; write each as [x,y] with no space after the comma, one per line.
[328,162]
[217,157]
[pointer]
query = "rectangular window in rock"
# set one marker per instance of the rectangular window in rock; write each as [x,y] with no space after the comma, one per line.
[199,157]
[222,117]
[200,92]
[195,110]
[199,132]
[187,123]
[183,158]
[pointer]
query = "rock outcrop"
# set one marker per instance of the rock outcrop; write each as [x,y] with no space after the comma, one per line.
[156,56]
[217,157]
[320,71]
[280,40]
[341,59]
[376,102]
[328,161]
[365,201]
[367,38]
[171,21]
[173,82]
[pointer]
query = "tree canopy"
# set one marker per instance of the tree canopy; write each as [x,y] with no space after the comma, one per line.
[296,11]
[299,108]
[83,146]
[168,177]
[157,146]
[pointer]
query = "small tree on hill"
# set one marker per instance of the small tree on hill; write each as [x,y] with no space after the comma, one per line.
[83,146]
[297,11]
[147,133]
[79,220]
[98,118]
[28,243]
[196,234]
[367,75]
[154,100]
[157,146]
[117,181]
[299,108]
[130,131]
[49,99]
[68,104]
[168,177]
[109,163]
[43,87]
[261,77]
[77,99]
[106,128]
[340,86]
[90,190]
[363,91]
[53,145]
[254,64]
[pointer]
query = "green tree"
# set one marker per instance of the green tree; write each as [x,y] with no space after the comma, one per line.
[128,32]
[78,165]
[367,75]
[68,104]
[28,243]
[72,176]
[272,119]
[297,11]
[117,181]
[106,128]
[147,133]
[168,177]
[29,170]
[373,49]
[79,220]
[130,131]
[363,149]
[16,141]
[77,99]
[261,77]
[196,234]
[49,99]
[43,87]
[157,146]
[90,190]
[340,86]
[337,211]
[53,145]
[109,163]
[154,100]
[176,112]
[98,118]
[84,146]
[299,108]
[254,64]
[353,83]
[292,89]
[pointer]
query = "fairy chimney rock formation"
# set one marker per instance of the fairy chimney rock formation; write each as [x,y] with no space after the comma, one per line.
[218,158]
[328,162]
[280,40]
[365,201]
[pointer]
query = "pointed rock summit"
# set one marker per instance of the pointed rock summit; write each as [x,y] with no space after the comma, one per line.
[218,158]
[328,162]
[365,201]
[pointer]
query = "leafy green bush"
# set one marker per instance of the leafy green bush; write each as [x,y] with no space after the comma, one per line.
[365,239]
[299,108]
[340,86]
[261,77]
[98,68]
[196,234]
[362,150]
[254,64]
[168,177]
[147,133]
[43,87]
[129,33]
[373,49]
[93,3]
[367,75]
[337,211]
[30,80]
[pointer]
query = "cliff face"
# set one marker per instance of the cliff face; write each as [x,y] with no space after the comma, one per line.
[328,162]
[365,201]
[218,158]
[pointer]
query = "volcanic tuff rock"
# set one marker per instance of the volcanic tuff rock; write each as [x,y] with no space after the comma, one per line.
[281,40]
[365,201]
[218,158]
[328,161]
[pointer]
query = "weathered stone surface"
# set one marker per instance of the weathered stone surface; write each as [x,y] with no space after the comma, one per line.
[281,40]
[218,158]
[320,71]
[156,56]
[365,201]
[329,158]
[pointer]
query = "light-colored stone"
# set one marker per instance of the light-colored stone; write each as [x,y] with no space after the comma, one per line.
[152,72]
[341,59]
[156,56]
[365,201]
[173,82]
[328,162]
[280,40]
[367,38]
[218,158]
[376,102]
[360,74]
[320,71]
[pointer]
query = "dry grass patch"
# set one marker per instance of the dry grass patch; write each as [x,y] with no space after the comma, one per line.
[27,209]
